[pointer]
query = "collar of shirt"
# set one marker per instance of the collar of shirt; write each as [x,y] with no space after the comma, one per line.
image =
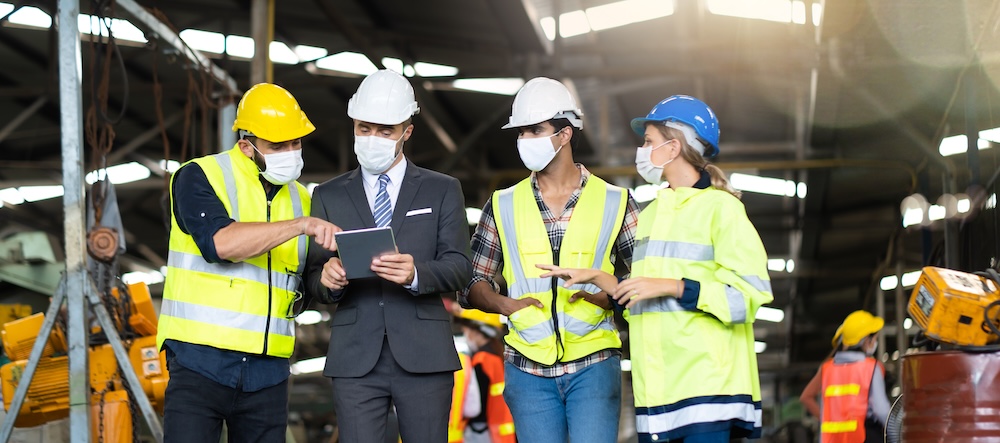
[704,181]
[584,176]
[395,174]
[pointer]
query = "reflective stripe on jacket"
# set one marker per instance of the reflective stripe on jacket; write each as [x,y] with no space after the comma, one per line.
[845,400]
[236,306]
[694,368]
[561,331]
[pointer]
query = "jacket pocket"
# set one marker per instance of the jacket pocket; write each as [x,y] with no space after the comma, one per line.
[432,311]
[347,316]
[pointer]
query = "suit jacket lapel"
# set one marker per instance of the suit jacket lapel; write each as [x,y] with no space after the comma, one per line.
[411,183]
[356,189]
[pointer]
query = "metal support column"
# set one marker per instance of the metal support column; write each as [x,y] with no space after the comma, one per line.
[227,115]
[880,312]
[901,344]
[71,127]
[262,32]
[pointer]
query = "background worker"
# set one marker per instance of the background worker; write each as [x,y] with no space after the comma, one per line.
[698,276]
[239,222]
[494,424]
[391,340]
[563,370]
[855,407]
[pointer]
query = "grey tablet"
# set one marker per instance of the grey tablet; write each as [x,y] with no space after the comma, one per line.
[357,248]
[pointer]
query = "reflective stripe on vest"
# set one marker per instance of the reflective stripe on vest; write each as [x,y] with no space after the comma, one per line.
[232,319]
[611,205]
[845,400]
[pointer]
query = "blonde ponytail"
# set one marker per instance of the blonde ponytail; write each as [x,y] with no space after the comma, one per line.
[692,156]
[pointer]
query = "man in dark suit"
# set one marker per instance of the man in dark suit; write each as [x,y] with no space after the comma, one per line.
[391,339]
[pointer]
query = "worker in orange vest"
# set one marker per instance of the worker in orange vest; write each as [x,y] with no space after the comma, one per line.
[494,424]
[854,407]
[465,400]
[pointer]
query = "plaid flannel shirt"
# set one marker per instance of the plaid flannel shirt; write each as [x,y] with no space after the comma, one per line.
[487,261]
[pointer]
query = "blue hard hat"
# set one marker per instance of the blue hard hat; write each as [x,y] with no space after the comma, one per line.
[688,110]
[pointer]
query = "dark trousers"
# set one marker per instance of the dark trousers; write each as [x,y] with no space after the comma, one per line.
[195,407]
[422,403]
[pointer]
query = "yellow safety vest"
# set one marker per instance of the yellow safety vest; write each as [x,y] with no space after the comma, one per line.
[562,331]
[236,306]
[699,365]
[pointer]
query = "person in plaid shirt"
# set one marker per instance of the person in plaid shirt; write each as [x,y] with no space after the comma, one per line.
[562,355]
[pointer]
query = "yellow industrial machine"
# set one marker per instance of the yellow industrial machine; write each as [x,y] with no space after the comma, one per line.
[955,307]
[48,394]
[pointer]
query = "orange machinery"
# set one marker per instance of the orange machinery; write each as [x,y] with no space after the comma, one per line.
[48,395]
[952,306]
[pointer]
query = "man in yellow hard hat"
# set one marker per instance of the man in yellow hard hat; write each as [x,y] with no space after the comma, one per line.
[238,239]
[855,407]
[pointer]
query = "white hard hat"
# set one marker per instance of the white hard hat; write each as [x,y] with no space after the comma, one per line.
[384,98]
[542,99]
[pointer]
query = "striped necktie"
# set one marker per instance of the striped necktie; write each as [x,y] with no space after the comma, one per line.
[383,207]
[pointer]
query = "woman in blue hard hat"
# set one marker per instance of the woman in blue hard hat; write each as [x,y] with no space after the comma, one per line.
[699,273]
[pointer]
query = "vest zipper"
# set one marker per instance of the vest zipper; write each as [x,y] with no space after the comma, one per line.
[560,348]
[267,326]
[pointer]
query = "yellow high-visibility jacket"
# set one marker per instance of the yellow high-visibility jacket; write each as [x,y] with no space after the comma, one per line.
[694,367]
[561,331]
[236,306]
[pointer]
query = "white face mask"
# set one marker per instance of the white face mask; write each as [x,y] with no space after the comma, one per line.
[375,154]
[874,348]
[653,174]
[537,153]
[281,168]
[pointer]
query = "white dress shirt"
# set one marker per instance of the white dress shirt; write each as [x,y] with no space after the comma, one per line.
[396,174]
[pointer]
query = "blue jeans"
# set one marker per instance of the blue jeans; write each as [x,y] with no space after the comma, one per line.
[583,407]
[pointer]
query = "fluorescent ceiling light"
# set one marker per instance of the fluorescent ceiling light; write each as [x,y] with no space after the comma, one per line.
[888,283]
[149,278]
[770,10]
[279,52]
[502,86]
[613,15]
[204,40]
[801,190]
[573,23]
[963,205]
[393,64]
[936,212]
[36,193]
[775,264]
[798,12]
[548,27]
[913,216]
[122,29]
[790,266]
[759,346]
[118,174]
[434,70]
[239,46]
[992,135]
[309,53]
[768,313]
[308,366]
[907,323]
[817,13]
[350,62]
[472,215]
[30,16]
[910,278]
[5,9]
[991,202]
[170,166]
[645,193]
[309,317]
[767,185]
[959,144]
[11,196]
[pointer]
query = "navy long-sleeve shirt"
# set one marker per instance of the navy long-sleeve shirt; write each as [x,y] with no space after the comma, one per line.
[201,214]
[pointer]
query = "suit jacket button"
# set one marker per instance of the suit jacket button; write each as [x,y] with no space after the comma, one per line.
[381,303]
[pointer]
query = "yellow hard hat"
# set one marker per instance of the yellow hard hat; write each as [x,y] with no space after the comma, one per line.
[491,322]
[857,326]
[270,112]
